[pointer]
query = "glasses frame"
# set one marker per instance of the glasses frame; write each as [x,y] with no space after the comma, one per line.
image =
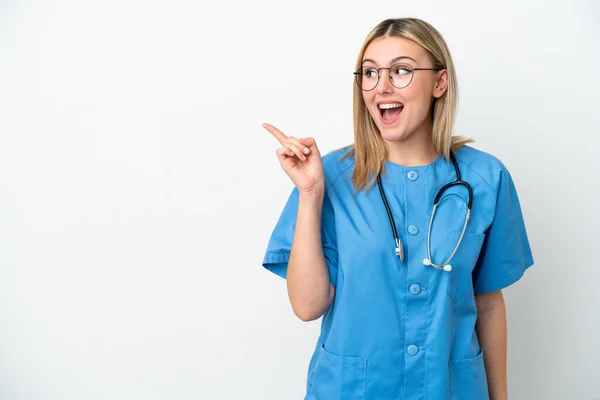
[412,75]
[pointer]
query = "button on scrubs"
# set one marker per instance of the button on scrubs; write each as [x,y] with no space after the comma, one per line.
[403,330]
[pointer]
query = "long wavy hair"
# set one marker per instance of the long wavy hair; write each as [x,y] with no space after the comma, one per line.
[369,149]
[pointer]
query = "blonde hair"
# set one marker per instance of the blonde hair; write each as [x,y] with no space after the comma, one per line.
[370,150]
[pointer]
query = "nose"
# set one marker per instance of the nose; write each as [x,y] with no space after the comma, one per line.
[384,86]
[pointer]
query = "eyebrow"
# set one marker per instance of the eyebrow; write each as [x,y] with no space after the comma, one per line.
[391,62]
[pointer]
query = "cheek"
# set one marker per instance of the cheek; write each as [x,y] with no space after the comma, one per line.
[419,101]
[368,98]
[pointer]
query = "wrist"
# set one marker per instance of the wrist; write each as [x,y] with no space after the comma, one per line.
[315,193]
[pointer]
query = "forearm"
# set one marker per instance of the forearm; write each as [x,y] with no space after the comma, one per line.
[309,288]
[491,331]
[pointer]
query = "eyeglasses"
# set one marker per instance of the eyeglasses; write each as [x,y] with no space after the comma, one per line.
[400,75]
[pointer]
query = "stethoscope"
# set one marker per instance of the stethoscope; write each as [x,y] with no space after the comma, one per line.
[399,245]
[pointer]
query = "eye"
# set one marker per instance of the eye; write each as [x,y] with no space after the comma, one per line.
[369,73]
[401,70]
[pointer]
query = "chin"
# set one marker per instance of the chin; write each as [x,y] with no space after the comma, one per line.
[393,135]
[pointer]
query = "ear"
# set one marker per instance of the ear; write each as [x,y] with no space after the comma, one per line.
[441,84]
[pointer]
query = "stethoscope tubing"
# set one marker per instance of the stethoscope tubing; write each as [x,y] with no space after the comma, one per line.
[399,246]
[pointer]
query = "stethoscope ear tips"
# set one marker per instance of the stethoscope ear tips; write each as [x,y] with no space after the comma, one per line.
[446,268]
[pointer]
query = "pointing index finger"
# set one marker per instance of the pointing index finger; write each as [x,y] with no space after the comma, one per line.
[280,136]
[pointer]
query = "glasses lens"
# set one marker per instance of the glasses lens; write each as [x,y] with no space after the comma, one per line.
[401,75]
[367,78]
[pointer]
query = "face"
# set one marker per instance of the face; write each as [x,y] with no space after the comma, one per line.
[401,113]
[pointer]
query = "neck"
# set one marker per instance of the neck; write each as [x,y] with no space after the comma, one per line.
[415,150]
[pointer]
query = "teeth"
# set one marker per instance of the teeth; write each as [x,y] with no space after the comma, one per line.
[386,106]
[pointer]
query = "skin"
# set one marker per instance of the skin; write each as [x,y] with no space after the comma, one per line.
[309,289]
[491,331]
[409,143]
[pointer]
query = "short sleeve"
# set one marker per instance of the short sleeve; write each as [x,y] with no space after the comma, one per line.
[505,253]
[280,242]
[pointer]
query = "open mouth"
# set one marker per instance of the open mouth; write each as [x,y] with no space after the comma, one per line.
[390,112]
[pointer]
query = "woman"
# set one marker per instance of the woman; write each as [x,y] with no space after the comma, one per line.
[410,298]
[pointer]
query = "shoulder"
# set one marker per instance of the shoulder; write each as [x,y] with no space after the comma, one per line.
[487,166]
[335,165]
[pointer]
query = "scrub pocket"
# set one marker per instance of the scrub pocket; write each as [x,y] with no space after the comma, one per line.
[460,279]
[468,380]
[335,377]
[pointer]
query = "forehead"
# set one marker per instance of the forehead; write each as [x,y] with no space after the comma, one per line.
[383,50]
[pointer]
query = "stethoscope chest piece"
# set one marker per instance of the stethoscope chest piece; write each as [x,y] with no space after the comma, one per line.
[400,249]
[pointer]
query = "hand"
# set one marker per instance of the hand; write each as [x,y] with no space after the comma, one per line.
[301,161]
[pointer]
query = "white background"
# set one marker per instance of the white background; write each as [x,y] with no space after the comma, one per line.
[138,189]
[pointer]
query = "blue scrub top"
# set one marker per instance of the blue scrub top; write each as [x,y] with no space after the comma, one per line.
[403,330]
